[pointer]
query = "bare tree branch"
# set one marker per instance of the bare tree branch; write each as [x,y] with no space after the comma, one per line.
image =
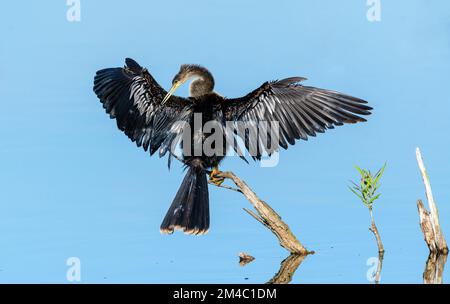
[267,216]
[426,226]
[374,230]
[441,244]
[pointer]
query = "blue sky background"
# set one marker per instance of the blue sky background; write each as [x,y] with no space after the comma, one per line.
[73,185]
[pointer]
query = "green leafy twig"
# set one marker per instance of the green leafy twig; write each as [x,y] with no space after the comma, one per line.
[366,191]
[369,184]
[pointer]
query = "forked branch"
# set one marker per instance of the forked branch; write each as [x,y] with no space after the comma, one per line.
[266,215]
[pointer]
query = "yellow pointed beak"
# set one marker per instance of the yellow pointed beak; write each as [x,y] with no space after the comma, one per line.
[171,91]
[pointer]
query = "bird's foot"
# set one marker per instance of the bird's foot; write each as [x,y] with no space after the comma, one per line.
[216,180]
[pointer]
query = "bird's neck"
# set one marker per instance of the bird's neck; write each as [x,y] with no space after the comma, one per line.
[203,83]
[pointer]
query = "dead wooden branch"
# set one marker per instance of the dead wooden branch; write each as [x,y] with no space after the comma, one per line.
[287,269]
[224,186]
[431,217]
[374,230]
[429,223]
[426,226]
[267,216]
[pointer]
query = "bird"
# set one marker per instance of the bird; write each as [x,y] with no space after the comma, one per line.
[157,120]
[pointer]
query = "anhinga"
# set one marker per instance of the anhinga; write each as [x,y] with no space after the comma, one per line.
[149,115]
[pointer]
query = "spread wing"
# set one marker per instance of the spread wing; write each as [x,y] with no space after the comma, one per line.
[133,97]
[300,111]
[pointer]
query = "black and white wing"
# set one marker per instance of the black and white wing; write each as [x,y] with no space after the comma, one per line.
[133,97]
[299,111]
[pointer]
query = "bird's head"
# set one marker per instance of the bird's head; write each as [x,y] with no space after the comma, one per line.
[202,85]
